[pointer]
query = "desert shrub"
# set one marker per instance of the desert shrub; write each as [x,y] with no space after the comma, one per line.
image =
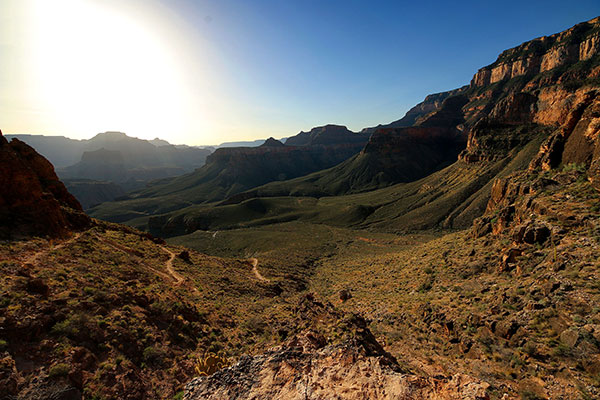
[71,326]
[60,369]
[574,167]
[178,395]
[255,325]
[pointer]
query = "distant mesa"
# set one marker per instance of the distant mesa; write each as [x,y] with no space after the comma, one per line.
[33,201]
[271,142]
[250,143]
[159,142]
[327,135]
[114,157]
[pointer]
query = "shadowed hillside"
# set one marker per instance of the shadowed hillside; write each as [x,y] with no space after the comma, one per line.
[32,199]
[229,171]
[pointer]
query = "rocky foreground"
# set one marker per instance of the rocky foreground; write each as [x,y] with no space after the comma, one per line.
[337,357]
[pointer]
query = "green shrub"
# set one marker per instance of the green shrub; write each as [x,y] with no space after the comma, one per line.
[60,369]
[574,167]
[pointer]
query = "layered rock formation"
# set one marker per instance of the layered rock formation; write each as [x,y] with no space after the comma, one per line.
[491,128]
[272,142]
[580,43]
[33,201]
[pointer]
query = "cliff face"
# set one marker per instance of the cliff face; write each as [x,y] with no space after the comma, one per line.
[539,85]
[33,201]
[431,103]
[579,43]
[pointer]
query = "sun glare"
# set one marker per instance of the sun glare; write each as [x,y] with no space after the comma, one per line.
[98,69]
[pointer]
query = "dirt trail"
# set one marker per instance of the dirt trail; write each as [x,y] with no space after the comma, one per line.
[169,266]
[254,262]
[35,257]
[127,250]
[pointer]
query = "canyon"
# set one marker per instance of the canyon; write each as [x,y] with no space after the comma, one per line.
[450,254]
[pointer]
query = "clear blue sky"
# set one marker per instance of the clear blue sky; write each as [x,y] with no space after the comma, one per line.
[259,68]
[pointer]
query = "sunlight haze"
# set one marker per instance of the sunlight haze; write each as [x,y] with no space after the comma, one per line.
[205,72]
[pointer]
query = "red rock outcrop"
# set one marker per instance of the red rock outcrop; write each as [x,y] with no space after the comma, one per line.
[33,201]
[577,140]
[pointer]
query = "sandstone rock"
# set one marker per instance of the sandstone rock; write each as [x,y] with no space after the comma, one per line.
[531,233]
[506,328]
[543,54]
[515,109]
[570,337]
[509,258]
[8,376]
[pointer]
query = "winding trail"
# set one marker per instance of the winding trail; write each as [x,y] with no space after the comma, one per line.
[179,279]
[254,262]
[169,267]
[171,273]
[35,257]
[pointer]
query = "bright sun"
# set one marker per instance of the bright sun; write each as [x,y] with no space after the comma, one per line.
[97,68]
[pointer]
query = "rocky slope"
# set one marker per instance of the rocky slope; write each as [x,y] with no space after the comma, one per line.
[33,202]
[313,365]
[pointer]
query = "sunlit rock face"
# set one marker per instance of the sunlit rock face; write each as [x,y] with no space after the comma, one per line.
[580,43]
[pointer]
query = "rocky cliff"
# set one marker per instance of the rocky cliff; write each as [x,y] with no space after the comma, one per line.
[33,201]
[431,103]
[579,43]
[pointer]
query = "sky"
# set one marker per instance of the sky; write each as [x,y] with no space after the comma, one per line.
[203,72]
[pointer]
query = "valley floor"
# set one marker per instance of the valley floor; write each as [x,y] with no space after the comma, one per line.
[519,314]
